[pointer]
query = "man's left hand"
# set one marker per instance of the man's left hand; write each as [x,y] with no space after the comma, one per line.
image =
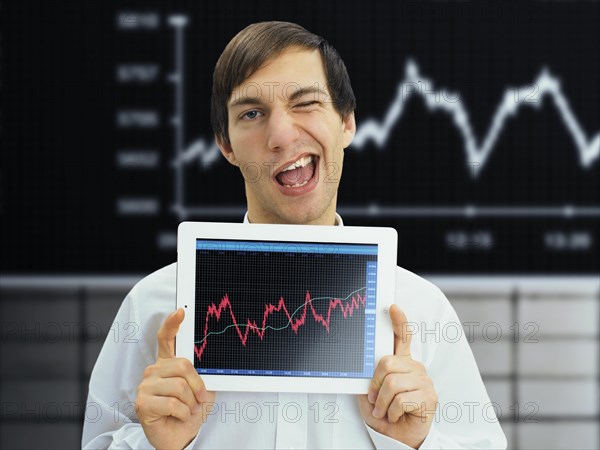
[401,401]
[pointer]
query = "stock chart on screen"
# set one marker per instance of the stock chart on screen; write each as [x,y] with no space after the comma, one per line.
[285,309]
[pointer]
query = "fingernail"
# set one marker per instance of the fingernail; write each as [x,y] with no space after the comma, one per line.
[197,408]
[377,413]
[372,397]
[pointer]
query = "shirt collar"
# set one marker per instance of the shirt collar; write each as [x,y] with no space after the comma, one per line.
[338,219]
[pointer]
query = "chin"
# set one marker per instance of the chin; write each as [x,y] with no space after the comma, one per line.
[305,216]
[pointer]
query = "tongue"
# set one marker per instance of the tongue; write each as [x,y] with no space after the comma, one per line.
[298,175]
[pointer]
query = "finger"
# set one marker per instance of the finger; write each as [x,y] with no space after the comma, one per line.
[175,387]
[393,385]
[404,403]
[365,408]
[183,368]
[387,365]
[402,331]
[167,406]
[168,331]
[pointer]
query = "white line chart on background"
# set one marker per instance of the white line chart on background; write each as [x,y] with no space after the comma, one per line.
[544,91]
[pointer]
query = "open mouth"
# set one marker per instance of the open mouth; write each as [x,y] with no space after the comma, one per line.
[298,173]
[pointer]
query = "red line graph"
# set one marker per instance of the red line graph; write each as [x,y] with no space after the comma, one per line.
[347,307]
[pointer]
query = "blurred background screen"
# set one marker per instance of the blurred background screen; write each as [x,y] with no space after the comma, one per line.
[478,139]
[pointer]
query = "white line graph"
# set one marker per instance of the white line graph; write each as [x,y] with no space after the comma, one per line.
[532,95]
[206,153]
[477,156]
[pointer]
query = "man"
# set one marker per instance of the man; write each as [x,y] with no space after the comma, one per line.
[282,101]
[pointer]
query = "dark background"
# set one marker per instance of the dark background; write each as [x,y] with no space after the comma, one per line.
[61,185]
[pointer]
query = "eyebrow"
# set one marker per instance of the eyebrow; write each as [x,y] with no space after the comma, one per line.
[301,92]
[307,90]
[244,101]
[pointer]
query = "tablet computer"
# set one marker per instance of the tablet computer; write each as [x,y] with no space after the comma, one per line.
[285,308]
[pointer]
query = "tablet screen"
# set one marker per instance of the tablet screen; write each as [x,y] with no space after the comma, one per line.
[285,308]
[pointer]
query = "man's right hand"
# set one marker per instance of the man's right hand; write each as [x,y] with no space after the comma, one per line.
[172,402]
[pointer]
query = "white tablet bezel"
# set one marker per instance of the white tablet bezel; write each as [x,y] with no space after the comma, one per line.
[386,240]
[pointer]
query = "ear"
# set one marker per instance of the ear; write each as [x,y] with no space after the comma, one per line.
[348,129]
[226,150]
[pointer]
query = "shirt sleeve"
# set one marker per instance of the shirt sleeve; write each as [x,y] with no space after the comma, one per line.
[465,417]
[382,441]
[110,419]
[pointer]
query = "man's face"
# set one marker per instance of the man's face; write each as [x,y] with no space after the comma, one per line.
[282,117]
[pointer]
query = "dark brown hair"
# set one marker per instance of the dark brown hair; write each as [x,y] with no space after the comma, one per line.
[254,46]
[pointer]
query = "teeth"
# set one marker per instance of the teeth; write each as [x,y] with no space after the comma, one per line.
[300,163]
[296,185]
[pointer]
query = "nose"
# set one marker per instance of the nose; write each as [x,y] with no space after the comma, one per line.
[283,130]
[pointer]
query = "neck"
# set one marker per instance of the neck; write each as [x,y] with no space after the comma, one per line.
[327,218]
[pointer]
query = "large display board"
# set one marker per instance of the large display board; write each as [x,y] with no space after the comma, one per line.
[478,130]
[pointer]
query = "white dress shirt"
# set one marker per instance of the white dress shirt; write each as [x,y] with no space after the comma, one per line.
[465,417]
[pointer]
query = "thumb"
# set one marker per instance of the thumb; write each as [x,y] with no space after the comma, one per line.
[168,331]
[402,333]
